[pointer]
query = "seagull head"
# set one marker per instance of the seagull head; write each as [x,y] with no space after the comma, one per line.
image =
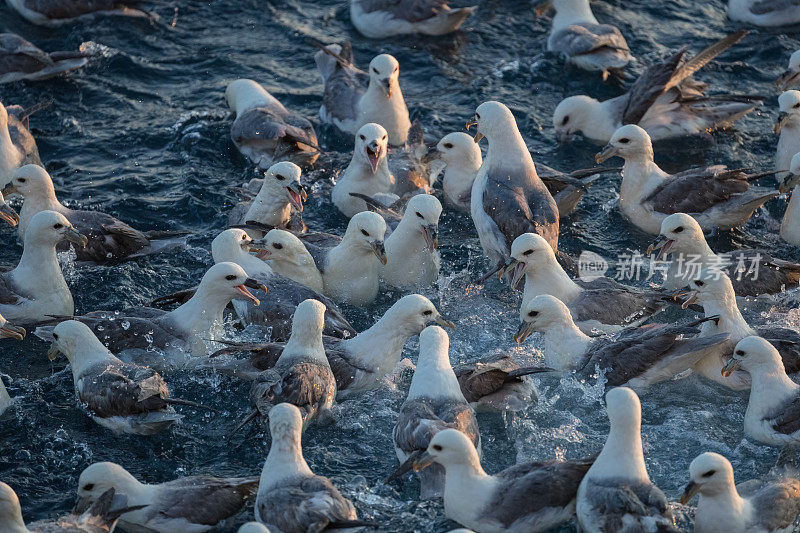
[413,313]
[708,286]
[623,407]
[232,245]
[492,120]
[630,141]
[371,144]
[710,474]
[285,426]
[754,354]
[459,150]
[75,340]
[793,180]
[309,319]
[283,180]
[529,252]
[282,246]
[7,212]
[572,115]
[539,314]
[424,210]
[448,447]
[227,281]
[680,233]
[31,181]
[791,76]
[10,510]
[789,105]
[48,228]
[384,71]
[98,478]
[366,230]
[10,331]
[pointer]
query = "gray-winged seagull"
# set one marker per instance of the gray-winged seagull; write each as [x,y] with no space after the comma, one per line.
[378,19]
[22,60]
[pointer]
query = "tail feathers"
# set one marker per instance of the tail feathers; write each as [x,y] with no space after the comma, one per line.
[723,115]
[331,56]
[593,172]
[527,371]
[180,298]
[701,59]
[188,403]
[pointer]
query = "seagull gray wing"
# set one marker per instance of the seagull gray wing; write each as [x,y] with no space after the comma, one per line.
[771,6]
[261,125]
[777,505]
[9,293]
[410,10]
[304,504]
[422,418]
[479,380]
[109,238]
[614,303]
[119,389]
[344,87]
[56,9]
[627,505]
[19,55]
[785,418]
[202,500]
[518,202]
[306,384]
[23,140]
[318,245]
[343,366]
[580,39]
[769,275]
[525,490]
[787,342]
[119,333]
[697,190]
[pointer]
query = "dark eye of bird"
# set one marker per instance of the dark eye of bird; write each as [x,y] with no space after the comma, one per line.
[699,283]
[437,447]
[797,105]
[679,229]
[88,486]
[58,226]
[55,336]
[420,215]
[533,313]
[374,70]
[427,313]
[277,246]
[624,141]
[564,122]
[477,116]
[230,277]
[21,180]
[527,252]
[383,138]
[364,233]
[448,145]
[362,137]
[709,473]
[279,177]
[739,352]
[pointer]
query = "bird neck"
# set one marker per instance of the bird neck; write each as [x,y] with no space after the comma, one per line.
[38,271]
[573,13]
[507,149]
[88,357]
[722,509]
[381,345]
[467,483]
[305,343]
[770,384]
[285,460]
[457,181]
[730,318]
[269,208]
[202,312]
[564,345]
[36,203]
[693,247]
[9,155]
[790,225]
[435,376]
[303,270]
[551,279]
[622,455]
[14,522]
[406,239]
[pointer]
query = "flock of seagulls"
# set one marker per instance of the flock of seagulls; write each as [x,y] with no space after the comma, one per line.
[273,272]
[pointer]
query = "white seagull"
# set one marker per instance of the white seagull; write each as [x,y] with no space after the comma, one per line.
[287,256]
[368,172]
[378,19]
[278,204]
[765,12]
[791,76]
[412,256]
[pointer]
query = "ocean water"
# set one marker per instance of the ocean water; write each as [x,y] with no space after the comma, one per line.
[142,132]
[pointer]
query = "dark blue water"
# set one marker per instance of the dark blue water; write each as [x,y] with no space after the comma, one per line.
[143,133]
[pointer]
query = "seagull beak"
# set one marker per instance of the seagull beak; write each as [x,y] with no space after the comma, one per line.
[78,239]
[423,461]
[782,119]
[606,153]
[8,214]
[373,152]
[442,321]
[253,284]
[542,7]
[296,195]
[387,84]
[53,352]
[730,367]
[787,79]
[517,269]
[662,244]
[379,251]
[12,332]
[790,183]
[689,492]
[431,234]
[692,297]
[523,332]
[260,248]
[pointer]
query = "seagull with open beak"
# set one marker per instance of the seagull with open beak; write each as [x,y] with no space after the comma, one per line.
[368,172]
[278,203]
[7,212]
[788,127]
[10,331]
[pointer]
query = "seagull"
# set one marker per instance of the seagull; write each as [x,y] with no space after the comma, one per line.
[53,13]
[788,126]
[412,256]
[434,402]
[109,239]
[7,212]
[291,498]
[368,172]
[187,328]
[122,397]
[714,291]
[193,503]
[266,132]
[22,60]
[287,256]
[790,225]
[771,505]
[36,289]
[279,203]
[508,198]
[302,375]
[752,272]
[461,157]
[600,304]
[99,518]
[636,357]
[359,363]
[773,412]
[379,19]
[497,385]
[791,76]
[352,97]
[581,40]
[665,101]
[17,146]
[526,498]
[616,494]
[718,198]
[765,12]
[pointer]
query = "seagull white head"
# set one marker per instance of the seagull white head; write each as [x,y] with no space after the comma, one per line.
[414,312]
[31,181]
[97,478]
[10,510]
[791,76]
[710,285]
[231,245]
[493,120]
[789,116]
[529,252]
[541,313]
[7,212]
[309,319]
[384,71]
[283,180]
[48,228]
[755,355]
[280,245]
[227,281]
[371,145]
[623,408]
[680,233]
[286,424]
[76,341]
[424,210]
[628,142]
[573,115]
[459,150]
[366,230]
[449,447]
[710,474]
[433,343]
